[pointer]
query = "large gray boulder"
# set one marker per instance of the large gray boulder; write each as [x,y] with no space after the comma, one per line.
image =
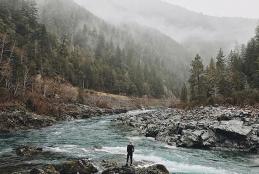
[190,138]
[232,128]
[208,138]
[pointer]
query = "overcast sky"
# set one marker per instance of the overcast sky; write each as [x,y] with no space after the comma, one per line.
[231,8]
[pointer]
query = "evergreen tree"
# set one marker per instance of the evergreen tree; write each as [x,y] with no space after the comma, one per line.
[211,79]
[184,94]
[197,80]
[221,80]
[236,77]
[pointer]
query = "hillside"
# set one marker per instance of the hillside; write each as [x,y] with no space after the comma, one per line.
[141,45]
[197,32]
[46,52]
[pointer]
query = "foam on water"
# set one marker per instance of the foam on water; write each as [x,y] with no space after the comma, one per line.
[3,151]
[169,147]
[181,167]
[57,149]
[98,139]
[113,150]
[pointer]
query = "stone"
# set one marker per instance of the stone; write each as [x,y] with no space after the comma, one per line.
[208,138]
[79,166]
[155,169]
[28,150]
[232,127]
[152,131]
[190,139]
[37,171]
[120,170]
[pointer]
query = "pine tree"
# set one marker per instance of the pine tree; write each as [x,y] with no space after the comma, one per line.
[184,94]
[221,80]
[235,74]
[211,79]
[197,80]
[250,66]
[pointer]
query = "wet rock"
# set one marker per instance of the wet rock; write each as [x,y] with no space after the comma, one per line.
[28,150]
[120,170]
[155,169]
[79,166]
[37,171]
[50,169]
[109,164]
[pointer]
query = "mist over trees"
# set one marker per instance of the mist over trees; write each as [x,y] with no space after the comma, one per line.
[76,46]
[198,33]
[232,78]
[73,45]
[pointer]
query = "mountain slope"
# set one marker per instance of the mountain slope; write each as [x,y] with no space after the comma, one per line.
[197,32]
[140,61]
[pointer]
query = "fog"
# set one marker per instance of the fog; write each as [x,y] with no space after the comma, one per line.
[222,8]
[199,33]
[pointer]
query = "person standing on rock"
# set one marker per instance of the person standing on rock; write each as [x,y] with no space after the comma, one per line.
[130,150]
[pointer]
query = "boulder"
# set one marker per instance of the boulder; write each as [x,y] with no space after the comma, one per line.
[120,170]
[232,129]
[109,164]
[37,171]
[46,170]
[50,169]
[152,131]
[78,166]
[28,150]
[155,169]
[190,139]
[208,138]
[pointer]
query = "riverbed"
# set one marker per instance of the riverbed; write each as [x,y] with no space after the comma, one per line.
[100,138]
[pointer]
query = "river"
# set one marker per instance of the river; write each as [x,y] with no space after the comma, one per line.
[101,138]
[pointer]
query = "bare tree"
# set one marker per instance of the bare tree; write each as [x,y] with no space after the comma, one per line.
[25,78]
[12,50]
[2,49]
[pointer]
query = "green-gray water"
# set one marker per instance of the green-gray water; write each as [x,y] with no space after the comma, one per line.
[100,138]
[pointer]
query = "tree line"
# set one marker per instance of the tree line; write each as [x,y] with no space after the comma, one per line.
[27,49]
[232,78]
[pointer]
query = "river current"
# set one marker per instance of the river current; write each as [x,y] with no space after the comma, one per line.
[101,138]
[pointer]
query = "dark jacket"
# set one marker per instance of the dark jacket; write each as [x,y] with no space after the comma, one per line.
[130,149]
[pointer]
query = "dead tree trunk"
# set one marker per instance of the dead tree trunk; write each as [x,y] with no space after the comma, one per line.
[12,50]
[2,49]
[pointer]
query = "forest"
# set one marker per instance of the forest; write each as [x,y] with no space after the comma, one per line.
[83,50]
[231,79]
[28,50]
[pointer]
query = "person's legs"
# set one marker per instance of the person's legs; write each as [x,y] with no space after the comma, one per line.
[128,158]
[131,155]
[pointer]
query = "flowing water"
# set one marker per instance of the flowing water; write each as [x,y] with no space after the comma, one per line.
[100,138]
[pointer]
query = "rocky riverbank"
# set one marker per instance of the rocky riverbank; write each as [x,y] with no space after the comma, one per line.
[15,120]
[218,128]
[71,166]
